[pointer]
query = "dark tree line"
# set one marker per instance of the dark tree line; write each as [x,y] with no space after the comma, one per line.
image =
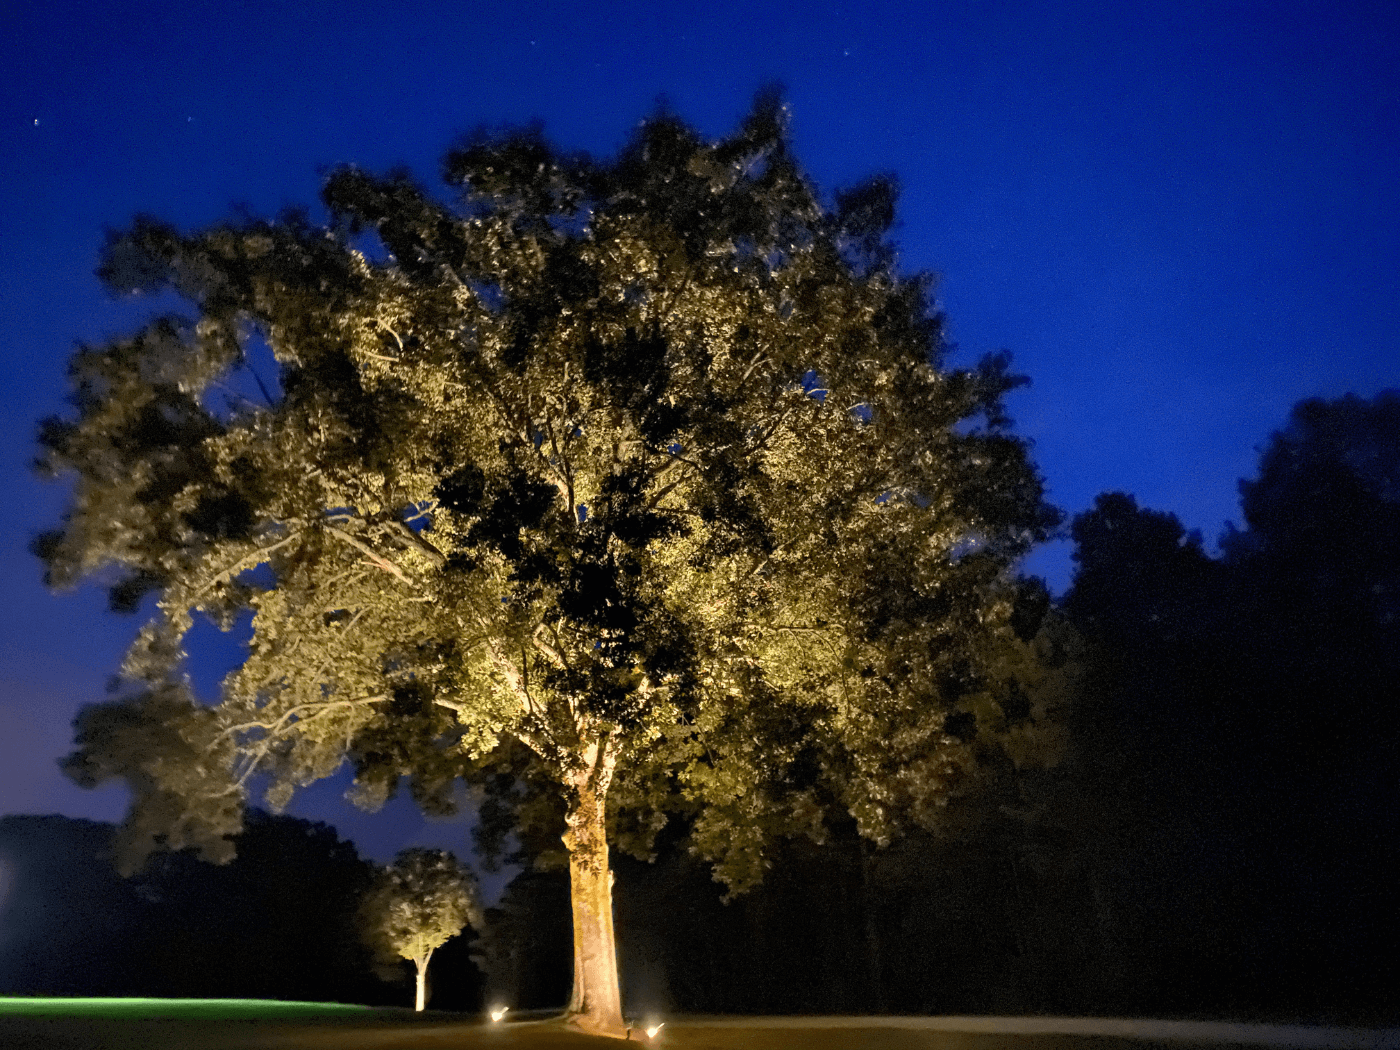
[1240,730]
[279,922]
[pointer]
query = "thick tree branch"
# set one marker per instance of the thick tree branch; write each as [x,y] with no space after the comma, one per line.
[376,559]
[403,532]
[248,561]
[285,725]
[284,722]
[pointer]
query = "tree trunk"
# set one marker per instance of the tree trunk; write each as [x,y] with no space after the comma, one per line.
[420,999]
[596,1003]
[874,957]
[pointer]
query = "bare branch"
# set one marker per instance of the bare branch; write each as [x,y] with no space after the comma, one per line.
[248,561]
[282,724]
[758,359]
[549,650]
[563,459]
[662,493]
[376,559]
[830,629]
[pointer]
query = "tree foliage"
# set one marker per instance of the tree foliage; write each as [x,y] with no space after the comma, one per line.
[420,901]
[1325,509]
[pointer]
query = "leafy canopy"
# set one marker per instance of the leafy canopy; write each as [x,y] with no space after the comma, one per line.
[655,461]
[418,903]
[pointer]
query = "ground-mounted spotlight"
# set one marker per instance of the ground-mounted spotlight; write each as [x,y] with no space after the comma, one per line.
[498,1013]
[653,1030]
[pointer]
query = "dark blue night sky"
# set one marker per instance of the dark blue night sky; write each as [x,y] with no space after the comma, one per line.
[1181,218]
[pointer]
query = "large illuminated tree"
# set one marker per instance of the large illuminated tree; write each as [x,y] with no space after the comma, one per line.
[651,466]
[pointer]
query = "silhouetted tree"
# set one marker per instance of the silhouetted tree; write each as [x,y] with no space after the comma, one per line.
[1318,569]
[1235,745]
[1317,575]
[1153,794]
[1156,606]
[652,466]
[279,922]
[528,957]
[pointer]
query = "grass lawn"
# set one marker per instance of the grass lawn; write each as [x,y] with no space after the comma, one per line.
[176,1009]
[44,1022]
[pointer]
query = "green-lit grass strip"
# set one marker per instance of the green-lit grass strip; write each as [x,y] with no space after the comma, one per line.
[175,1009]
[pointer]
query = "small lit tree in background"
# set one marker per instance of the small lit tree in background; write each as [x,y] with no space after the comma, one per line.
[416,905]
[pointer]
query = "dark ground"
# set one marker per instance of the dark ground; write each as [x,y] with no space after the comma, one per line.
[431,1033]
